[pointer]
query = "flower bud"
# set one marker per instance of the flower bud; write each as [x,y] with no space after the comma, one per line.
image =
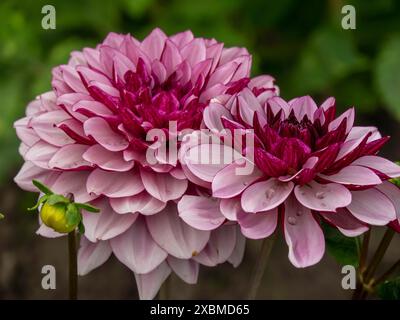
[55,217]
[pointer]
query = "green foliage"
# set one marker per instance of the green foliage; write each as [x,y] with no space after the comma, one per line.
[300,43]
[342,248]
[388,75]
[390,289]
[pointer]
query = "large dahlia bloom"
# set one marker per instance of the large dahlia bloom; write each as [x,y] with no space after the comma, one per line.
[88,137]
[308,166]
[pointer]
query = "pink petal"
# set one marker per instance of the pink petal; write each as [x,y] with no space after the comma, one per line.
[106,224]
[223,74]
[229,182]
[212,116]
[70,157]
[230,208]
[92,255]
[345,222]
[153,44]
[372,206]
[349,115]
[238,252]
[45,126]
[205,160]
[171,57]
[393,193]
[323,197]
[137,250]
[174,235]
[114,184]
[100,131]
[27,173]
[219,248]
[73,182]
[355,175]
[303,106]
[303,235]
[258,225]
[142,203]
[200,212]
[163,186]
[107,160]
[40,154]
[194,52]
[187,270]
[380,164]
[148,284]
[358,132]
[265,195]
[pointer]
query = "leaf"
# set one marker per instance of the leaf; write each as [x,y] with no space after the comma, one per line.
[87,207]
[42,187]
[40,201]
[343,249]
[387,75]
[73,215]
[57,198]
[389,290]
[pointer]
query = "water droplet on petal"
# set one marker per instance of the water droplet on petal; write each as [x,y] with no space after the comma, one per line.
[299,212]
[292,220]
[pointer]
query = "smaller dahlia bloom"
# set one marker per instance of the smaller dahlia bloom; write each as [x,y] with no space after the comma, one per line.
[308,166]
[89,137]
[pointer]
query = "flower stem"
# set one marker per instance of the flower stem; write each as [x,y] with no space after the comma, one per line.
[387,274]
[364,251]
[73,266]
[375,261]
[380,252]
[261,263]
[362,264]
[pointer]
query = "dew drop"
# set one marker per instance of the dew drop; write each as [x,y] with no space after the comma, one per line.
[299,212]
[292,220]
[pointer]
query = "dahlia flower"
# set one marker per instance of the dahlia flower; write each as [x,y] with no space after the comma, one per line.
[88,136]
[307,167]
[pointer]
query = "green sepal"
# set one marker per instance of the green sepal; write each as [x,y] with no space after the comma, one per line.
[40,201]
[42,187]
[73,215]
[87,207]
[57,198]
[1,216]
[81,228]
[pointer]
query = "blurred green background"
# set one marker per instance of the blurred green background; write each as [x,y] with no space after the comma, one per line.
[301,43]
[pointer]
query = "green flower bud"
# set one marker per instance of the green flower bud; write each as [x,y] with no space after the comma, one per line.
[55,217]
[60,213]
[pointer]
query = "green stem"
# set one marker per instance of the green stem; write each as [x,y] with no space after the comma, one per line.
[380,252]
[387,274]
[376,259]
[362,265]
[73,266]
[261,263]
